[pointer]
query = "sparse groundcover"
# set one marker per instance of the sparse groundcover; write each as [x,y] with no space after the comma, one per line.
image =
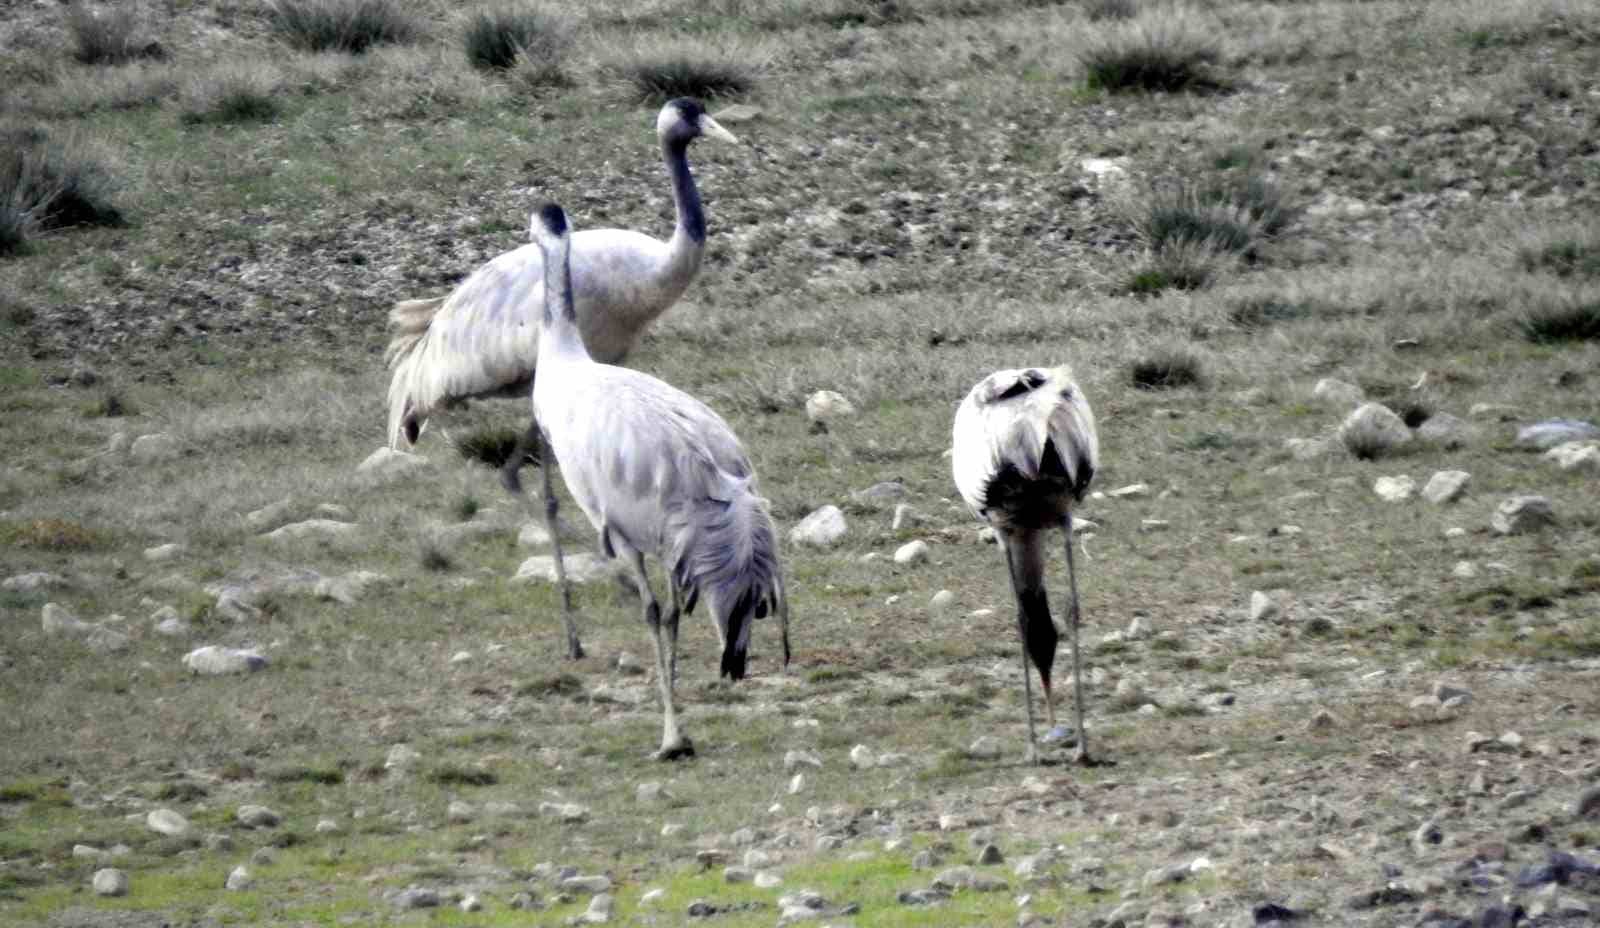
[240,92]
[1576,255]
[532,42]
[342,25]
[51,181]
[1165,50]
[1223,212]
[109,34]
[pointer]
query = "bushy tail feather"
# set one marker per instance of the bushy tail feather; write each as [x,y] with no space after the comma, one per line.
[410,320]
[728,551]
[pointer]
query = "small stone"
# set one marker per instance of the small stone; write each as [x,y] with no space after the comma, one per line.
[239,879]
[737,113]
[110,882]
[825,406]
[1321,720]
[264,856]
[672,829]
[581,567]
[459,813]
[823,528]
[1373,430]
[797,783]
[595,883]
[990,855]
[253,816]
[880,494]
[416,898]
[1447,431]
[219,842]
[904,517]
[215,659]
[650,791]
[862,758]
[986,747]
[1520,514]
[793,759]
[1154,525]
[157,446]
[1553,432]
[955,878]
[942,600]
[569,812]
[652,896]
[628,665]
[85,852]
[599,910]
[912,552]
[326,826]
[167,822]
[1510,740]
[1394,489]
[1262,606]
[1427,836]
[33,582]
[312,529]
[766,879]
[737,874]
[161,553]
[1446,486]
[470,903]
[57,620]
[388,463]
[1578,456]
[1338,393]
[988,536]
[400,757]
[1464,570]
[923,860]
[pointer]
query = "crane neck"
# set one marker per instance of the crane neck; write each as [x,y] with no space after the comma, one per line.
[685,196]
[560,329]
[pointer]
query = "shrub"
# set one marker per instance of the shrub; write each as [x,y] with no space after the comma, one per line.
[108,36]
[1179,265]
[493,446]
[1165,368]
[1164,53]
[531,42]
[342,25]
[660,74]
[1576,322]
[1221,214]
[50,182]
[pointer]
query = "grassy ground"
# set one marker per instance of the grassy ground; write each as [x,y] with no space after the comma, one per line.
[911,210]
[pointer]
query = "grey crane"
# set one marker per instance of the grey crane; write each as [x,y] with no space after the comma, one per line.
[1024,448]
[656,472]
[482,339]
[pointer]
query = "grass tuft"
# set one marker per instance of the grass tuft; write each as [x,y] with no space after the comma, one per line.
[50,182]
[492,446]
[351,26]
[1577,322]
[1161,53]
[1165,368]
[236,93]
[1182,265]
[466,507]
[659,74]
[51,535]
[1102,10]
[1217,214]
[432,557]
[1566,256]
[531,43]
[108,35]
[462,776]
[561,684]
[298,773]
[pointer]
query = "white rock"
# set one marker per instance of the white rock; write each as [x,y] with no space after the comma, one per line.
[988,536]
[470,903]
[1446,486]
[216,659]
[904,517]
[593,883]
[110,882]
[570,812]
[167,822]
[269,516]
[254,816]
[348,588]
[1464,570]
[984,748]
[862,758]
[1447,431]
[1372,430]
[533,535]
[387,462]
[459,812]
[652,896]
[1499,411]
[157,446]
[239,879]
[400,757]
[312,528]
[766,879]
[1521,514]
[821,529]
[1305,449]
[1262,606]
[794,759]
[1395,489]
[912,552]
[1154,525]
[797,783]
[106,640]
[168,623]
[1576,455]
[86,852]
[581,567]
[1553,432]
[118,443]
[167,552]
[326,826]
[461,657]
[1131,491]
[980,613]
[33,582]
[943,599]
[880,494]
[826,406]
[57,620]
[1338,393]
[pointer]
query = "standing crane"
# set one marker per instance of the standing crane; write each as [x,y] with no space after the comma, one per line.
[482,339]
[657,472]
[1024,450]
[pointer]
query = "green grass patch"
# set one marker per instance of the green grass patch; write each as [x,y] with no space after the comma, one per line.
[51,792]
[452,775]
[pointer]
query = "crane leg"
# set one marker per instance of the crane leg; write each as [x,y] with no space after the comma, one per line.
[673,743]
[511,470]
[1081,755]
[672,630]
[552,523]
[1032,755]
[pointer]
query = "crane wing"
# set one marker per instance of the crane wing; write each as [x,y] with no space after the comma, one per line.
[1027,423]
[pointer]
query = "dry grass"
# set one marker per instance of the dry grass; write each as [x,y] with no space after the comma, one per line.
[1165,50]
[109,34]
[352,26]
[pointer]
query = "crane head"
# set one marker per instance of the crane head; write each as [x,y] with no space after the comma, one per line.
[685,119]
[549,223]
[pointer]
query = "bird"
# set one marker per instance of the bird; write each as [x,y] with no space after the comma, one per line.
[658,473]
[481,340]
[1024,448]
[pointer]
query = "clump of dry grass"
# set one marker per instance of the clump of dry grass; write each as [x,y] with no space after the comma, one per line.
[1575,321]
[232,93]
[50,181]
[342,25]
[1166,367]
[490,445]
[109,35]
[530,43]
[1163,51]
[1226,213]
[1180,265]
[656,72]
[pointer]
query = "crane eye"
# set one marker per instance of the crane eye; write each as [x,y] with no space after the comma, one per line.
[1066,394]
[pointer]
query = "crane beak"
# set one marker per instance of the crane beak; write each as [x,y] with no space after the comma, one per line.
[711,127]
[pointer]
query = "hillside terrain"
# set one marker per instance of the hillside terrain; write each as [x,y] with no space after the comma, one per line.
[1331,696]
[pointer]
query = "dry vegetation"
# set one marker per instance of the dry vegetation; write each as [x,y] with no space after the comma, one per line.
[205,242]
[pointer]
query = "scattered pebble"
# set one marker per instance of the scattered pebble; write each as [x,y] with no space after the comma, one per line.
[110,882]
[823,528]
[912,552]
